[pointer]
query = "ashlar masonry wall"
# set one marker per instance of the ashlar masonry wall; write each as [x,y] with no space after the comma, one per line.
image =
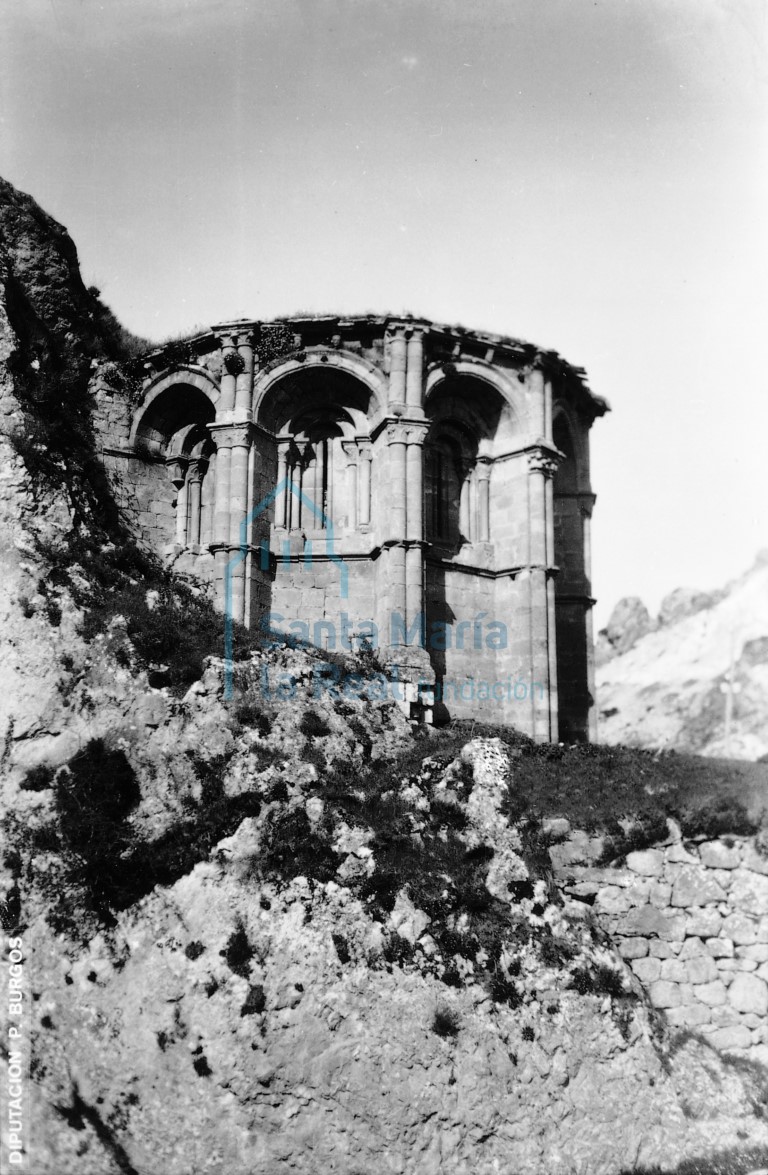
[691,919]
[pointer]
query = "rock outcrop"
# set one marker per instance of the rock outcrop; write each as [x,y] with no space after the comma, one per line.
[696,682]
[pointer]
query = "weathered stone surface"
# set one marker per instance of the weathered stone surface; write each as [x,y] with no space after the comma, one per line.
[718,855]
[664,994]
[694,888]
[647,970]
[679,854]
[720,947]
[749,892]
[648,862]
[754,860]
[674,970]
[660,949]
[689,1016]
[734,1037]
[632,948]
[701,970]
[740,929]
[758,951]
[748,993]
[652,922]
[703,923]
[691,948]
[711,993]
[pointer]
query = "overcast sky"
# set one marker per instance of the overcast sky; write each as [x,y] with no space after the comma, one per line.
[590,175]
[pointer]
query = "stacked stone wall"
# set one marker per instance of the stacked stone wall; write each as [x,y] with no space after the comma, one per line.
[691,919]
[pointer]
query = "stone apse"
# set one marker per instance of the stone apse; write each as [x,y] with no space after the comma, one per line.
[415,484]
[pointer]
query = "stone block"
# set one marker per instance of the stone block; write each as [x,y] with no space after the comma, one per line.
[613,900]
[689,1016]
[715,854]
[762,971]
[664,995]
[677,854]
[651,922]
[691,948]
[701,970]
[703,923]
[695,887]
[740,929]
[660,949]
[647,970]
[659,894]
[734,1036]
[674,971]
[633,948]
[711,994]
[753,860]
[725,1014]
[720,948]
[758,951]
[648,862]
[749,993]
[749,892]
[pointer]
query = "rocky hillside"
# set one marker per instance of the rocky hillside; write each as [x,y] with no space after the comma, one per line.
[274,934]
[696,678]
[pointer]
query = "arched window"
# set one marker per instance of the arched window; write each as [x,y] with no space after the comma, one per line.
[444,480]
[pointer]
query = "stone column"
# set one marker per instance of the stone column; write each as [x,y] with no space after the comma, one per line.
[229,369]
[483,468]
[541,467]
[364,501]
[349,449]
[194,481]
[397,366]
[244,378]
[238,512]
[391,570]
[465,504]
[554,707]
[415,370]
[281,504]
[177,467]
[414,527]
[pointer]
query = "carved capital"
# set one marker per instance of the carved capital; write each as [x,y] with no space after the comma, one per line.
[197,469]
[177,467]
[406,432]
[231,436]
[542,461]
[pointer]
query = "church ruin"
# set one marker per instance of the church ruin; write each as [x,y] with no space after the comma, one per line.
[415,486]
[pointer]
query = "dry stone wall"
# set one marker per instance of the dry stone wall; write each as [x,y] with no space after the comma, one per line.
[691,919]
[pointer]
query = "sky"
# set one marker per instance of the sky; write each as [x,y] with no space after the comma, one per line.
[588,175]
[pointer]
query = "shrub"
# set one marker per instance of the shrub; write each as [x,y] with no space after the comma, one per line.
[255,1001]
[238,952]
[313,725]
[295,848]
[38,778]
[342,947]
[446,1022]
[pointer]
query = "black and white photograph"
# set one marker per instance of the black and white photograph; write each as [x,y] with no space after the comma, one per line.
[383,587]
